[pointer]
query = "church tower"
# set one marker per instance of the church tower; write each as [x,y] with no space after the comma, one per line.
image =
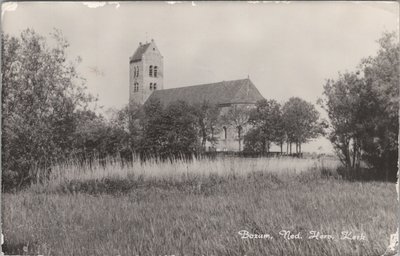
[146,72]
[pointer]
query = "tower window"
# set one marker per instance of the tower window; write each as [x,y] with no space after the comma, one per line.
[151,86]
[155,71]
[155,86]
[137,72]
[135,87]
[225,133]
[151,71]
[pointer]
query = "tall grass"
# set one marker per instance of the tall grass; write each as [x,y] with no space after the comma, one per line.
[179,170]
[197,208]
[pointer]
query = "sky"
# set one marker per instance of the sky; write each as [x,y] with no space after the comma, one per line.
[288,49]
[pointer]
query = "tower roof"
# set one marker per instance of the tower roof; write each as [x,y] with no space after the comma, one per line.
[241,91]
[137,56]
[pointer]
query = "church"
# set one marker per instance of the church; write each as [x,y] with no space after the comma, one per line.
[146,71]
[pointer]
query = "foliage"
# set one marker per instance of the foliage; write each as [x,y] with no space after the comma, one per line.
[297,121]
[208,122]
[363,110]
[237,116]
[267,126]
[301,122]
[41,93]
[133,116]
[349,105]
[96,137]
[252,141]
[169,132]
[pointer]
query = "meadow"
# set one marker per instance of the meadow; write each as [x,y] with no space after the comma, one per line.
[199,208]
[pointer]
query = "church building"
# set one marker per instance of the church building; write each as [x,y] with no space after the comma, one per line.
[146,82]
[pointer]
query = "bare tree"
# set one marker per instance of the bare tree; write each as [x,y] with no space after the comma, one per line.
[237,116]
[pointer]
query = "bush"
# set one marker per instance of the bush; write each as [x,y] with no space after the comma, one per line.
[169,133]
[41,92]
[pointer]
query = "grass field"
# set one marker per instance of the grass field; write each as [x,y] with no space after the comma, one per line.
[198,208]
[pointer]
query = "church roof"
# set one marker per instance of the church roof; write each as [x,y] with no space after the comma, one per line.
[222,93]
[137,56]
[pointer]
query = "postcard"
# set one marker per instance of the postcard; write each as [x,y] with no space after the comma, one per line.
[200,128]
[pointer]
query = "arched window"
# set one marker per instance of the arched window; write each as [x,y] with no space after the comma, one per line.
[137,71]
[151,86]
[135,87]
[225,133]
[151,71]
[239,129]
[155,71]
[155,86]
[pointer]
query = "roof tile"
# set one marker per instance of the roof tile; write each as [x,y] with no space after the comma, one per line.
[226,92]
[137,56]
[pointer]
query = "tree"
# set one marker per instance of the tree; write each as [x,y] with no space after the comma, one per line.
[266,121]
[169,132]
[346,107]
[96,137]
[301,122]
[363,110]
[252,141]
[237,116]
[128,119]
[41,93]
[208,122]
[153,128]
[381,74]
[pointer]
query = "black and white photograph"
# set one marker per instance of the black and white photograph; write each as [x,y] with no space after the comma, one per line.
[200,128]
